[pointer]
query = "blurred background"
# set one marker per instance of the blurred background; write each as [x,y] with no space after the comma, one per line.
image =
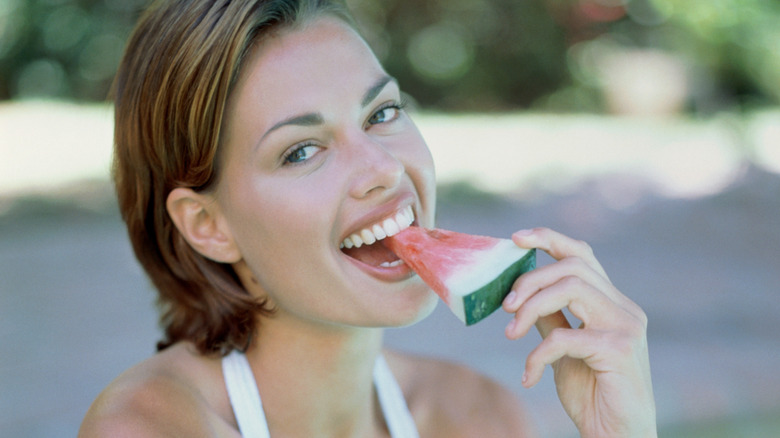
[649,128]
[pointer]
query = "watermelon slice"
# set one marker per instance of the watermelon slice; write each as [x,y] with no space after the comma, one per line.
[471,274]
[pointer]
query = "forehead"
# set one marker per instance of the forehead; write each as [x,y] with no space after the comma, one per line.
[295,66]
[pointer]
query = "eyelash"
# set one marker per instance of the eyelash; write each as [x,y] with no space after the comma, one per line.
[291,152]
[397,105]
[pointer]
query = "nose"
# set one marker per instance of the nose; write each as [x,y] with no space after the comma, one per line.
[375,167]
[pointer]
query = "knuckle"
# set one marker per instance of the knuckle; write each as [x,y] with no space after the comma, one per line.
[584,247]
[638,329]
[633,332]
[575,262]
[642,318]
[557,334]
[572,281]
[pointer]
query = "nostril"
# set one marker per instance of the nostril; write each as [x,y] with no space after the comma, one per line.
[380,170]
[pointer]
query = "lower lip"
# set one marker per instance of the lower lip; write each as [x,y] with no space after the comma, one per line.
[387,274]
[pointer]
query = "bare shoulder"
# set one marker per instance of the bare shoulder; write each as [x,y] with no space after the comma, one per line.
[452,400]
[174,393]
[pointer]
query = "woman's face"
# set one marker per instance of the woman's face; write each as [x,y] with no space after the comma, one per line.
[318,149]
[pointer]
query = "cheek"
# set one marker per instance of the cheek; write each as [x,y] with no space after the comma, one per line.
[420,167]
[277,226]
[283,231]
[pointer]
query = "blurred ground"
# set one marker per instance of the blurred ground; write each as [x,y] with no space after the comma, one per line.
[701,256]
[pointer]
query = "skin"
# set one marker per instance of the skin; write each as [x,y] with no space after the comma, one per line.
[316,148]
[602,369]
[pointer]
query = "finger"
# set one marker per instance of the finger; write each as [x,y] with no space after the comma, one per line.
[532,282]
[574,343]
[583,300]
[558,246]
[546,324]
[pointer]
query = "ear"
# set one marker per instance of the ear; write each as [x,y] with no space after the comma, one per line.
[198,219]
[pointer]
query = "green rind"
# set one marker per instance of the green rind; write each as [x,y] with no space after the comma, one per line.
[482,302]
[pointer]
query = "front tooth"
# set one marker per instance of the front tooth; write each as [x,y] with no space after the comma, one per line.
[391,227]
[388,227]
[378,232]
[368,236]
[402,219]
[356,240]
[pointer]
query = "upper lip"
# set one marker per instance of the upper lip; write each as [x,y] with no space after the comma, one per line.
[379,218]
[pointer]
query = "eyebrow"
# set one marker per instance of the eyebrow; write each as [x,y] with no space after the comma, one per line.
[313,119]
[374,91]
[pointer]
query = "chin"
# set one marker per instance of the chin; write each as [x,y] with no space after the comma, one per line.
[421,310]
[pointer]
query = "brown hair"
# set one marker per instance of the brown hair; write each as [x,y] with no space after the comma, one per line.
[170,94]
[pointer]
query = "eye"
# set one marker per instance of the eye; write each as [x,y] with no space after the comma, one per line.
[386,113]
[300,154]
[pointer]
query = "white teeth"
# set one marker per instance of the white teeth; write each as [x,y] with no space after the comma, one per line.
[367,236]
[356,240]
[391,227]
[391,264]
[388,227]
[378,232]
[407,215]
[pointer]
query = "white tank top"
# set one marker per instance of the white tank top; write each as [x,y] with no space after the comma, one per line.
[248,408]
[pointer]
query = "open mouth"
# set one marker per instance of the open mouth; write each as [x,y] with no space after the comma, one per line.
[367,245]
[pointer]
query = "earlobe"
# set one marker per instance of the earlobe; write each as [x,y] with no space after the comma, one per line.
[197,218]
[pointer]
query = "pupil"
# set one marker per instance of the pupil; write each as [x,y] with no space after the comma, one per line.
[297,155]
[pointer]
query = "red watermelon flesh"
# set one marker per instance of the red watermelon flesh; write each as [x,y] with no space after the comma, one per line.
[472,274]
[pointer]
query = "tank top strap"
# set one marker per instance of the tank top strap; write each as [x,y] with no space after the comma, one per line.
[391,399]
[244,396]
[248,408]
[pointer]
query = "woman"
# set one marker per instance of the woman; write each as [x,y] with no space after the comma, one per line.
[252,139]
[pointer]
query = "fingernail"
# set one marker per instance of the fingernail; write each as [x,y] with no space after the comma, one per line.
[522,233]
[510,298]
[510,329]
[525,378]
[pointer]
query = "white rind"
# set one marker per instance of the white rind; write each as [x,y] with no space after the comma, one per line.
[456,306]
[489,264]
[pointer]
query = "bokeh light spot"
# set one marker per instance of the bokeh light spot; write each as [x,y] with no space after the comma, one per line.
[11,26]
[441,52]
[100,57]
[41,78]
[64,27]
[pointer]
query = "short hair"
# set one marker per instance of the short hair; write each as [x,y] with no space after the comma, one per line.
[170,95]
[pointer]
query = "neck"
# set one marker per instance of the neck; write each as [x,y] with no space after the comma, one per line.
[316,379]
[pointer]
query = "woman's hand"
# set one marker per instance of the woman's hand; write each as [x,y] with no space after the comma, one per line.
[602,370]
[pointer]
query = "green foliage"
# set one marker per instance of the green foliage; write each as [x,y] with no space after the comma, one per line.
[467,54]
[456,54]
[737,41]
[62,48]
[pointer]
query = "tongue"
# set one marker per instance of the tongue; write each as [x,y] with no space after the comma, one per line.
[373,255]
